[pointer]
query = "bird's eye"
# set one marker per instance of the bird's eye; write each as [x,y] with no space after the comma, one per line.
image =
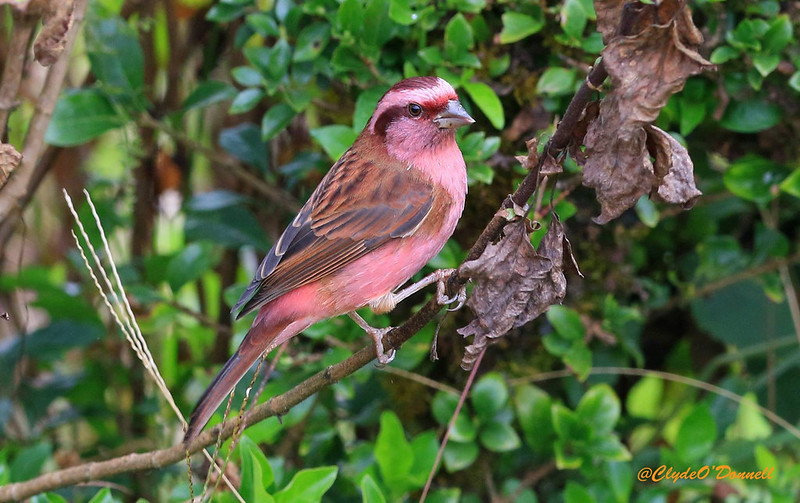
[414,109]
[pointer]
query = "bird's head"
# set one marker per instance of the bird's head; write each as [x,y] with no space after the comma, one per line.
[418,114]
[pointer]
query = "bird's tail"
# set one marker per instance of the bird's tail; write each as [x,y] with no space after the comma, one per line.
[264,335]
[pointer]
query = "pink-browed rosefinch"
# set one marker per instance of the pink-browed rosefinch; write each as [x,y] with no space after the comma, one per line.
[386,207]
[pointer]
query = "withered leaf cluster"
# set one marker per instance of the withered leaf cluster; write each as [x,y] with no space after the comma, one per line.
[56,20]
[515,282]
[646,65]
[9,160]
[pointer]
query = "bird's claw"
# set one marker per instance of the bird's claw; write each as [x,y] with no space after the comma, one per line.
[384,357]
[444,300]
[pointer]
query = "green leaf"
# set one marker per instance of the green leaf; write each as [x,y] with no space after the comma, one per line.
[312,41]
[489,395]
[224,12]
[28,463]
[263,24]
[696,435]
[350,17]
[308,486]
[457,37]
[791,185]
[487,100]
[750,116]
[81,115]
[499,437]
[459,455]
[517,26]
[275,120]
[619,475]
[750,423]
[117,59]
[692,113]
[647,211]
[766,63]
[452,495]
[425,447]
[104,496]
[533,411]
[273,62]
[779,35]
[190,264]
[209,92]
[378,27]
[794,81]
[723,54]
[393,453]
[579,359]
[567,322]
[244,143]
[575,493]
[48,498]
[257,473]
[573,18]
[556,81]
[768,243]
[246,76]
[370,492]
[753,178]
[443,407]
[335,139]
[401,13]
[645,398]
[246,100]
[599,408]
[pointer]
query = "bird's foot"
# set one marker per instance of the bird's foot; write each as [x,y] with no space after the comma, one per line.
[444,300]
[384,357]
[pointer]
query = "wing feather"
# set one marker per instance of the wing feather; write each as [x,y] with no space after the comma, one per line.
[357,207]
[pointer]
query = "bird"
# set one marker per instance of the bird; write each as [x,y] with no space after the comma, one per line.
[383,210]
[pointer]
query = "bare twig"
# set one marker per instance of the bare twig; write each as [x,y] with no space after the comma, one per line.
[451,424]
[425,381]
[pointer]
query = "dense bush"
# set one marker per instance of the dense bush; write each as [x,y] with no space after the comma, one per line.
[199,127]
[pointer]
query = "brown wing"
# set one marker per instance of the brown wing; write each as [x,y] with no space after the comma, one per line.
[358,206]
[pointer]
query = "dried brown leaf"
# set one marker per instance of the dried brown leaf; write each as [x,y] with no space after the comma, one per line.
[9,160]
[645,70]
[610,12]
[56,21]
[530,160]
[515,283]
[673,167]
[550,166]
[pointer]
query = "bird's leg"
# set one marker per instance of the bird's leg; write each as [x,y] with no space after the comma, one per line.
[438,277]
[377,334]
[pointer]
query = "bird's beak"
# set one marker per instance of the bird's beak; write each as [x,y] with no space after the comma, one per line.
[453,116]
